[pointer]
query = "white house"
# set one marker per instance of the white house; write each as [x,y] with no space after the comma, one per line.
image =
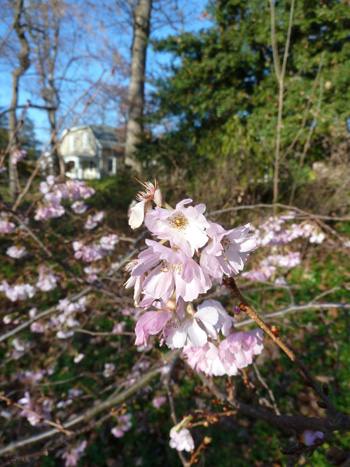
[92,151]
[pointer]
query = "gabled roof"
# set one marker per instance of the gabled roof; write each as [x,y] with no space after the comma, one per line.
[106,135]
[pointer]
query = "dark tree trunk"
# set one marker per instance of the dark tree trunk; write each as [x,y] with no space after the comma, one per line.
[142,18]
[24,64]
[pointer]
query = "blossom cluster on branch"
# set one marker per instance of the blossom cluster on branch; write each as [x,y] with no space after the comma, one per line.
[277,233]
[189,254]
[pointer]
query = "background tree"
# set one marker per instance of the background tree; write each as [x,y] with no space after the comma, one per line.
[218,102]
[24,63]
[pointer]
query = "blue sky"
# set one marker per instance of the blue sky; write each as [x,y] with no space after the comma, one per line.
[80,74]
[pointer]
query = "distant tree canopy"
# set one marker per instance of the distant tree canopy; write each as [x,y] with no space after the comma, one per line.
[219,99]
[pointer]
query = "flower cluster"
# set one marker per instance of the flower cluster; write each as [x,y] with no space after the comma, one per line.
[124,425]
[17,155]
[181,439]
[96,250]
[18,291]
[66,321]
[5,225]
[191,255]
[55,192]
[73,453]
[231,355]
[277,233]
[43,410]
[16,252]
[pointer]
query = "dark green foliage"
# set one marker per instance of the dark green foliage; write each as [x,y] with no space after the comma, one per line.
[219,100]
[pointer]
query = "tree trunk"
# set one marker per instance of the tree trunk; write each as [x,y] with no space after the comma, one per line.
[24,64]
[58,163]
[142,18]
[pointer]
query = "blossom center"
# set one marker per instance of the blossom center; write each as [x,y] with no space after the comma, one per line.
[167,267]
[178,221]
[225,242]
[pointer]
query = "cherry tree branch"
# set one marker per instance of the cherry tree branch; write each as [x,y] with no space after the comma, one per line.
[274,335]
[101,406]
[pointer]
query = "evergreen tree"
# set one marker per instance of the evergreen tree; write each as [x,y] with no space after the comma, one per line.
[218,104]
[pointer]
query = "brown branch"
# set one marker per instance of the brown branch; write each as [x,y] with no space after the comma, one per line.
[274,335]
[283,422]
[280,79]
[99,407]
[40,419]
[296,309]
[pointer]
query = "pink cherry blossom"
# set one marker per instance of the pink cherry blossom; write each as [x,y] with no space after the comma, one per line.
[48,211]
[5,225]
[92,273]
[134,281]
[174,273]
[159,401]
[88,253]
[37,327]
[238,349]
[42,410]
[73,453]
[151,323]
[109,370]
[191,328]
[108,242]
[17,155]
[79,207]
[124,425]
[17,292]
[184,227]
[232,354]
[33,376]
[224,322]
[181,440]
[47,280]
[46,186]
[262,274]
[93,221]
[16,252]
[228,250]
[78,358]
[205,359]
[138,211]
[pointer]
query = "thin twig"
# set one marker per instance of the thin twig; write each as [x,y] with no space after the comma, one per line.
[99,407]
[39,162]
[40,419]
[231,285]
[280,79]
[268,389]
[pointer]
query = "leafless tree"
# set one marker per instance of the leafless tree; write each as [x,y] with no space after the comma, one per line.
[24,63]
[141,31]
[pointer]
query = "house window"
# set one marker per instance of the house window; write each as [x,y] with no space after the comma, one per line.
[111,165]
[85,140]
[89,165]
[72,142]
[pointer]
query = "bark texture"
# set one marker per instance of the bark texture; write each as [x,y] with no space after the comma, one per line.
[142,16]
[24,63]
[45,36]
